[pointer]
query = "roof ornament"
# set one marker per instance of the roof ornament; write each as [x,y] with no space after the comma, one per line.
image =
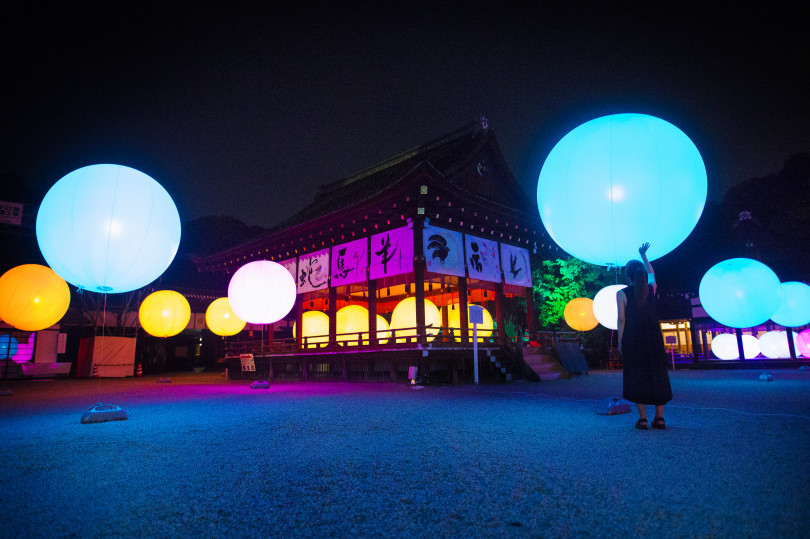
[484,123]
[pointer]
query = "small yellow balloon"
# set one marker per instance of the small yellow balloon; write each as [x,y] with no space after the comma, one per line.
[164,313]
[316,328]
[404,316]
[579,314]
[221,320]
[33,297]
[454,321]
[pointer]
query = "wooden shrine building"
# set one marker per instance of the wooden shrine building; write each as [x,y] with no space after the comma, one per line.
[444,224]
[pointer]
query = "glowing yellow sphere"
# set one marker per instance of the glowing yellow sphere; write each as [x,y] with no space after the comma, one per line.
[404,316]
[164,313]
[316,328]
[352,319]
[454,321]
[221,320]
[33,297]
[579,314]
[383,335]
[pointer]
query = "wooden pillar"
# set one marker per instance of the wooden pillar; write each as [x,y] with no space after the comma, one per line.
[738,332]
[372,311]
[499,312]
[462,313]
[791,346]
[332,311]
[299,329]
[419,278]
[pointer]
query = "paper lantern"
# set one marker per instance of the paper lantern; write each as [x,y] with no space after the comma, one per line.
[316,328]
[724,346]
[605,308]
[404,316]
[351,320]
[33,297]
[164,313]
[8,346]
[108,228]
[803,343]
[261,292]
[579,315]
[740,292]
[618,181]
[794,309]
[774,344]
[454,322]
[221,320]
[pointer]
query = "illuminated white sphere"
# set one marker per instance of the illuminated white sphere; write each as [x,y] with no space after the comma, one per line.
[221,320]
[724,346]
[108,228]
[774,344]
[794,309]
[618,181]
[261,292]
[605,308]
[404,316]
[454,321]
[740,292]
[316,328]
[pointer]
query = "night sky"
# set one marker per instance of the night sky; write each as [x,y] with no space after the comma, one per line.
[246,111]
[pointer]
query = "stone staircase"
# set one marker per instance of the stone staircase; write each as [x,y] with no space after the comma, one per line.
[499,366]
[543,363]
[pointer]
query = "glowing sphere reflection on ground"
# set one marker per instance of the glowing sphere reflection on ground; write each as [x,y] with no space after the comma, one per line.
[740,292]
[261,292]
[803,343]
[774,344]
[605,308]
[108,228]
[164,313]
[33,297]
[454,321]
[316,328]
[221,320]
[404,316]
[579,315]
[794,309]
[724,346]
[618,181]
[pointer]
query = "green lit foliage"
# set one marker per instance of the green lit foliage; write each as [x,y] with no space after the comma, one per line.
[556,282]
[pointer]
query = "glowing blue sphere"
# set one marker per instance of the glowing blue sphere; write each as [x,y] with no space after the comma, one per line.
[108,228]
[794,311]
[8,346]
[618,181]
[740,292]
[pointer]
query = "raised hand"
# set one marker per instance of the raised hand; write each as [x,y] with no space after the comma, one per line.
[643,249]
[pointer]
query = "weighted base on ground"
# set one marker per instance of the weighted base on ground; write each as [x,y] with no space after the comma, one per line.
[260,384]
[103,412]
[613,406]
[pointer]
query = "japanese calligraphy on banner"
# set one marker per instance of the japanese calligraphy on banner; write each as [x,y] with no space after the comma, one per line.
[313,271]
[290,266]
[391,253]
[482,259]
[516,267]
[444,251]
[350,262]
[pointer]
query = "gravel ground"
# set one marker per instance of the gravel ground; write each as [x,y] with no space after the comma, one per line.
[204,456]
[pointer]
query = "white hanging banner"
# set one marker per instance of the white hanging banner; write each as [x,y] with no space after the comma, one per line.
[350,262]
[313,271]
[444,251]
[391,253]
[290,265]
[517,269]
[483,261]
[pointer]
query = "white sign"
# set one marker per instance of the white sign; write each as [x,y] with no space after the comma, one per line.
[61,343]
[247,362]
[11,213]
[476,313]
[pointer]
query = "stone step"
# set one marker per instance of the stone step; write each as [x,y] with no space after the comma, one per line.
[549,376]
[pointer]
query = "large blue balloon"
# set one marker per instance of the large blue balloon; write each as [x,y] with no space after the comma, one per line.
[108,228]
[740,292]
[618,181]
[794,311]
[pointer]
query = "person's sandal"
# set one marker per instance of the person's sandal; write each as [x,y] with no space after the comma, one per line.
[658,423]
[641,424]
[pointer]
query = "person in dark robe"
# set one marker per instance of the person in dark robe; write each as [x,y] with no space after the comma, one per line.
[645,379]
